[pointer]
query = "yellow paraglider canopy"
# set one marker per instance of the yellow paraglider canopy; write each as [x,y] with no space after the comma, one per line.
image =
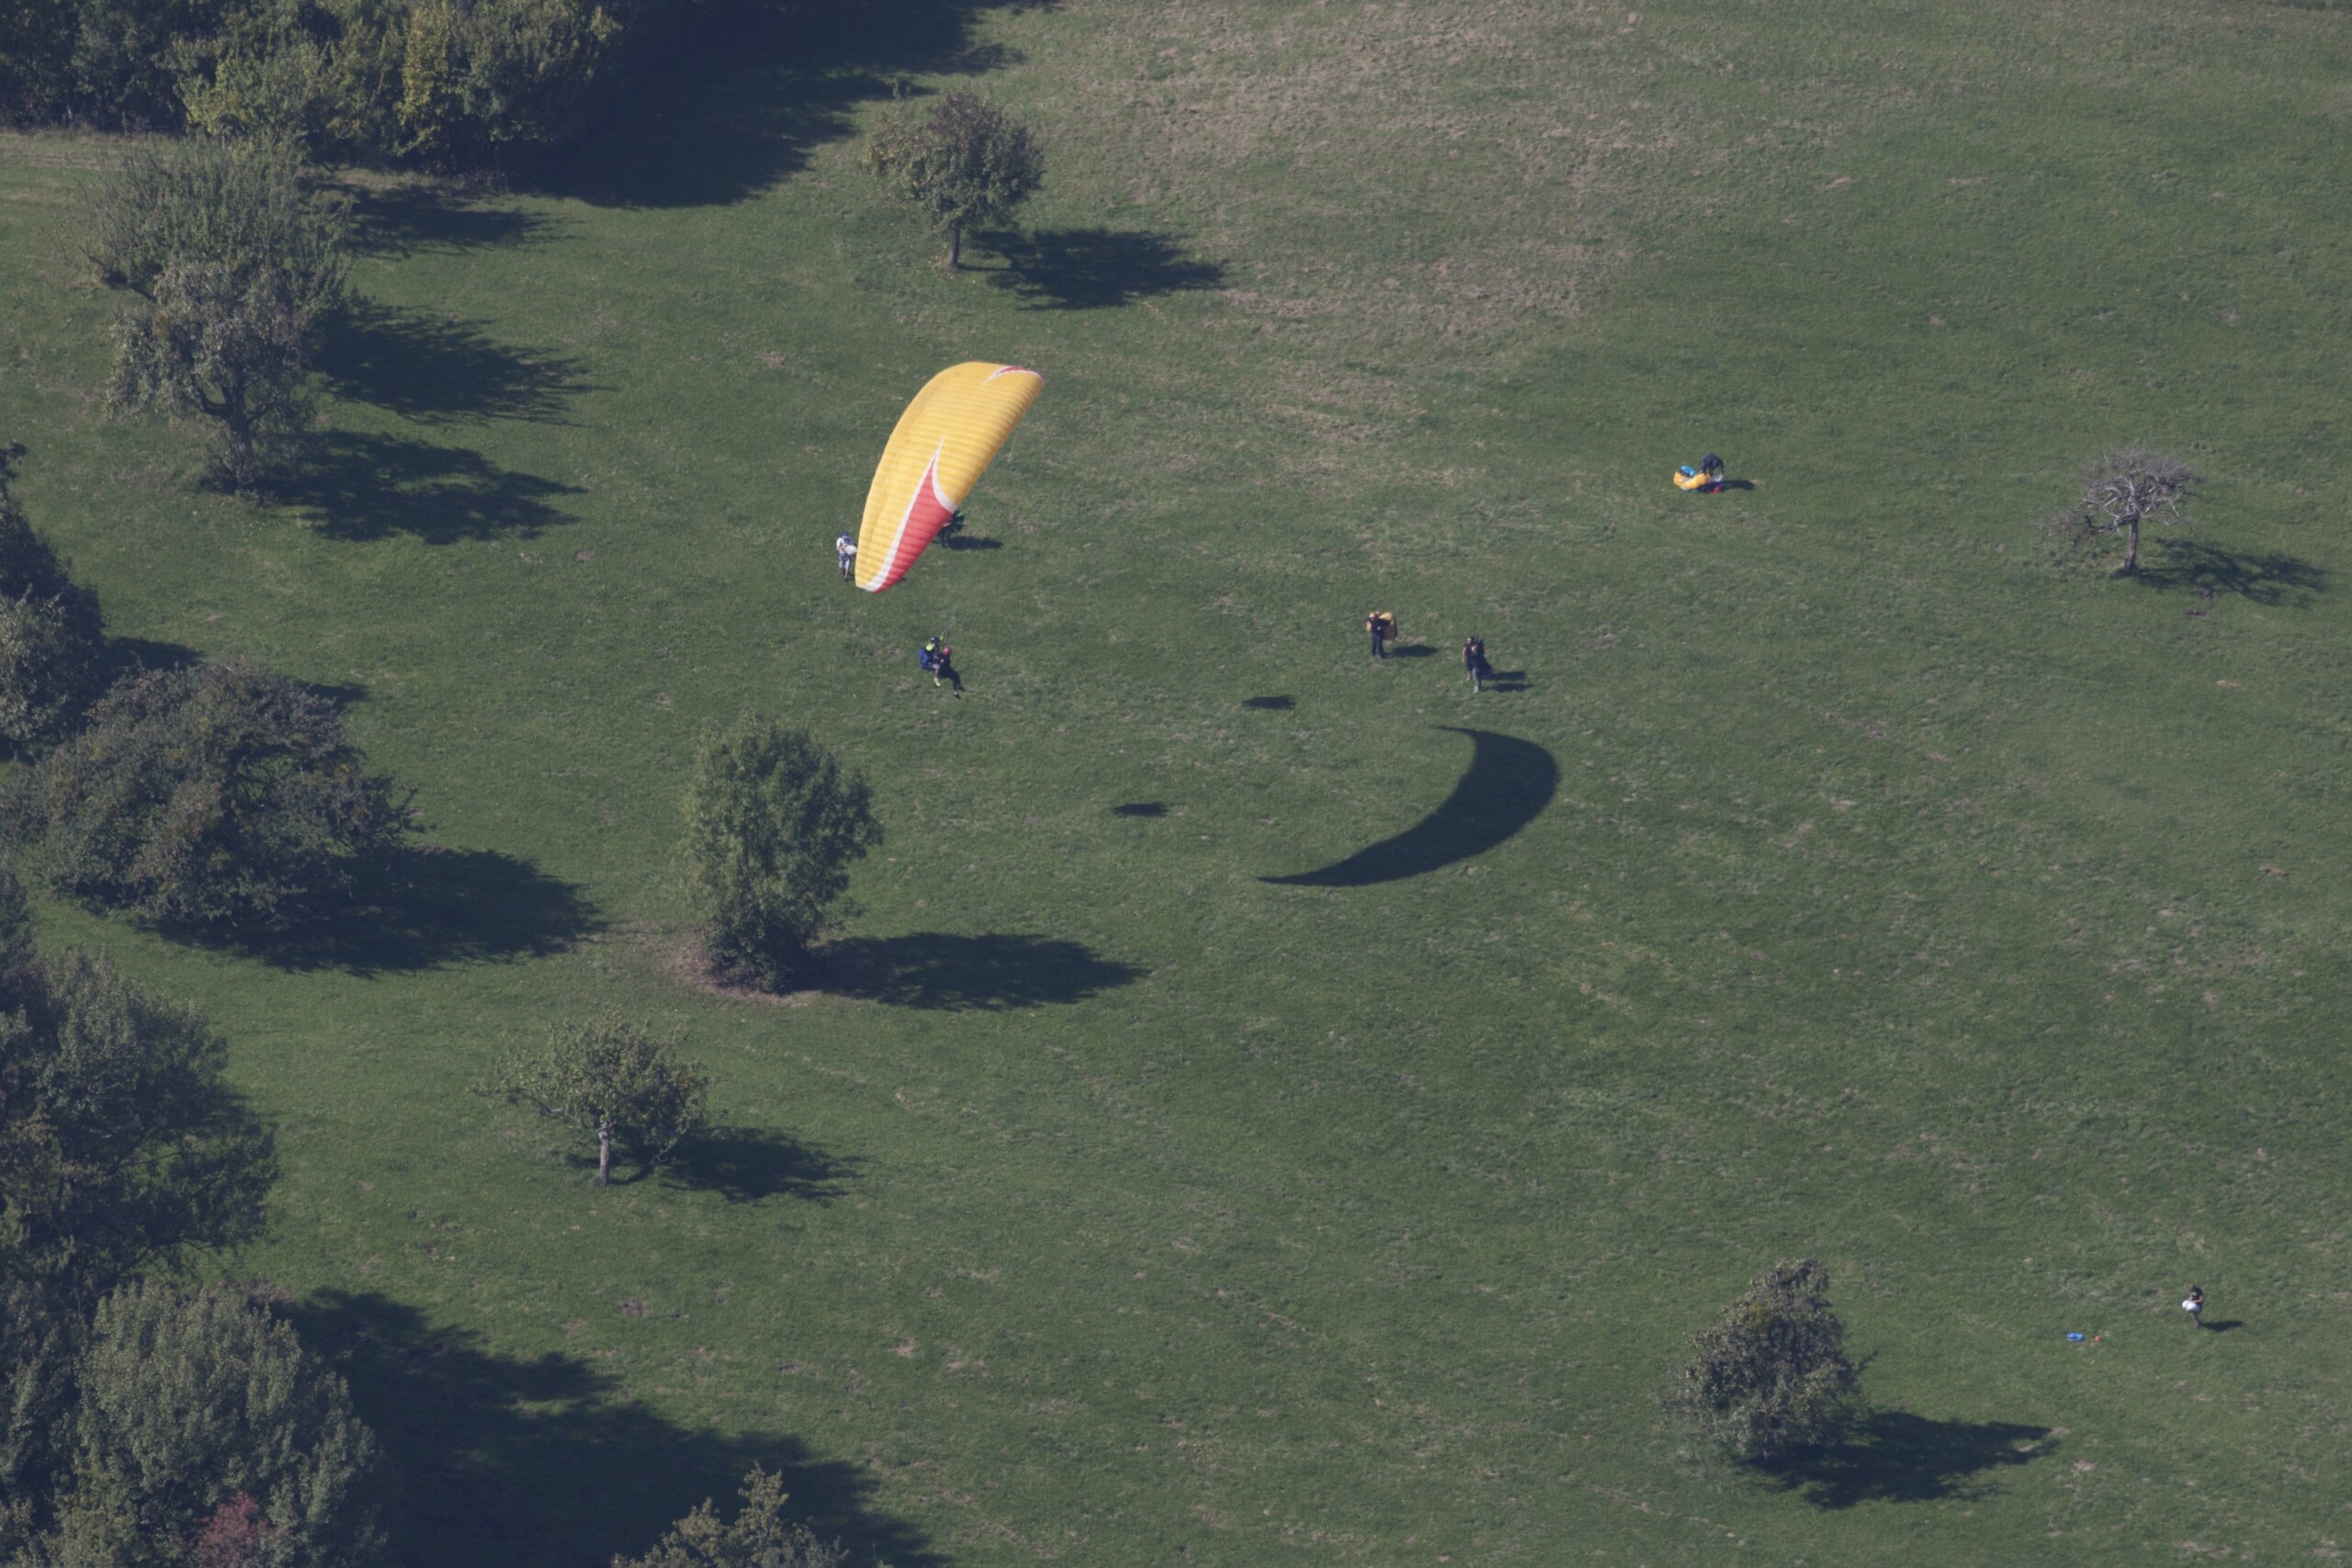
[942,445]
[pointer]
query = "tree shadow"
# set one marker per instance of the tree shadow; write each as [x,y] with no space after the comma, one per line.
[1891,1456]
[935,969]
[369,487]
[128,655]
[433,370]
[744,1165]
[1270,704]
[415,217]
[545,1462]
[740,98]
[1095,269]
[1507,785]
[429,908]
[2264,577]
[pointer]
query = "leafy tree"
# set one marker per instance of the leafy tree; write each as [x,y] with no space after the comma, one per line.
[119,1145]
[481,76]
[962,162]
[203,1427]
[1772,1376]
[611,1079]
[2122,492]
[41,1338]
[758,1537]
[53,642]
[221,797]
[772,823]
[233,265]
[101,63]
[121,1148]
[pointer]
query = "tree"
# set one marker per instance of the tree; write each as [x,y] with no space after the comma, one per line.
[1772,1376]
[41,1338]
[611,1079]
[120,1144]
[758,1537]
[963,161]
[203,1428]
[53,640]
[233,264]
[221,797]
[772,823]
[2122,492]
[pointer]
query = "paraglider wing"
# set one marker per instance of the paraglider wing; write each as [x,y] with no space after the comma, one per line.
[942,445]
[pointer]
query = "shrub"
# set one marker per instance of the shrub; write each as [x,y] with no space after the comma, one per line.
[234,266]
[612,1080]
[222,796]
[201,1421]
[1772,1376]
[53,642]
[758,1537]
[772,823]
[962,162]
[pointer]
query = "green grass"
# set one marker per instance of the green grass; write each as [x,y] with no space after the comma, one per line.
[1973,923]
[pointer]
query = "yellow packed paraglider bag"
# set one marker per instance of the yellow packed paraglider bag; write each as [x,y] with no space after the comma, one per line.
[1689,477]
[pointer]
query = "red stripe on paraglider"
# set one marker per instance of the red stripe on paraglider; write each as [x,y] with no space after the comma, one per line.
[927,512]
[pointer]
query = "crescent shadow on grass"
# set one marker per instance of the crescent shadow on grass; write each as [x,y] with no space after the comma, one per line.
[1509,784]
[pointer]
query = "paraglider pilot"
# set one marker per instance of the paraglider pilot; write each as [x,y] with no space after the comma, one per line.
[1382,627]
[845,556]
[1474,660]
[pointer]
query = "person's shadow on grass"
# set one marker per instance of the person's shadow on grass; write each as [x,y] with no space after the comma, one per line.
[509,1462]
[1893,1456]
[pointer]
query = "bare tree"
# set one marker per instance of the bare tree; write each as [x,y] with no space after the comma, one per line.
[2123,491]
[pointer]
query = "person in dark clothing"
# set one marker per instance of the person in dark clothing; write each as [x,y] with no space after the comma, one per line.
[2195,1306]
[943,668]
[1382,626]
[1474,660]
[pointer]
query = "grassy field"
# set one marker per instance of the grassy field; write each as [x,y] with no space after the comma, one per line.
[1883,891]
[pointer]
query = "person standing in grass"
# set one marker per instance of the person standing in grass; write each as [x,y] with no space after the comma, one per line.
[2195,1306]
[1382,626]
[1474,660]
[943,667]
[845,556]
